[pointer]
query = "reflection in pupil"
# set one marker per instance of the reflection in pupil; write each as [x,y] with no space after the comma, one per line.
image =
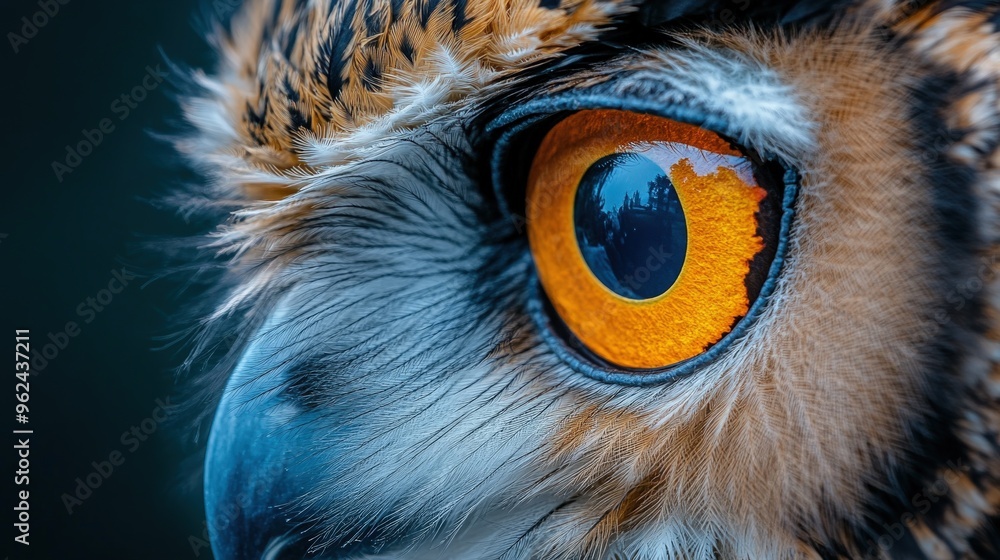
[630,225]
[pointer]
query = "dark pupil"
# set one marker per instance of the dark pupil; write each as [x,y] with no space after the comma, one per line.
[630,225]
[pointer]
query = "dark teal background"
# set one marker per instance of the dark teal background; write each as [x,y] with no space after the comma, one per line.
[62,241]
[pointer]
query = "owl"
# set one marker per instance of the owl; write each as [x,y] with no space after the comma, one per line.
[599,279]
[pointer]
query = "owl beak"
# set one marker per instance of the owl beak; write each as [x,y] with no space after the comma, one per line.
[255,466]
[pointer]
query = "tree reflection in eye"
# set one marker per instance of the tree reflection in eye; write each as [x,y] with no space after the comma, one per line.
[630,225]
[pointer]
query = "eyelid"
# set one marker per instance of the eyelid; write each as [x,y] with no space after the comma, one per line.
[520,128]
[705,85]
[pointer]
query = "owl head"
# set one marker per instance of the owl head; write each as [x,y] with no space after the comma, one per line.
[601,279]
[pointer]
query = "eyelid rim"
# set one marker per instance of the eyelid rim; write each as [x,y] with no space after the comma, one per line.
[520,119]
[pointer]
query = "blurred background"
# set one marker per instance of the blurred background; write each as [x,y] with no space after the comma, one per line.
[84,93]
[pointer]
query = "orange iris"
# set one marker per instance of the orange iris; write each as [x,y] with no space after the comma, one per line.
[643,232]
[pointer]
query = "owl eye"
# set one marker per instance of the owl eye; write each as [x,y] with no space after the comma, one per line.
[652,238]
